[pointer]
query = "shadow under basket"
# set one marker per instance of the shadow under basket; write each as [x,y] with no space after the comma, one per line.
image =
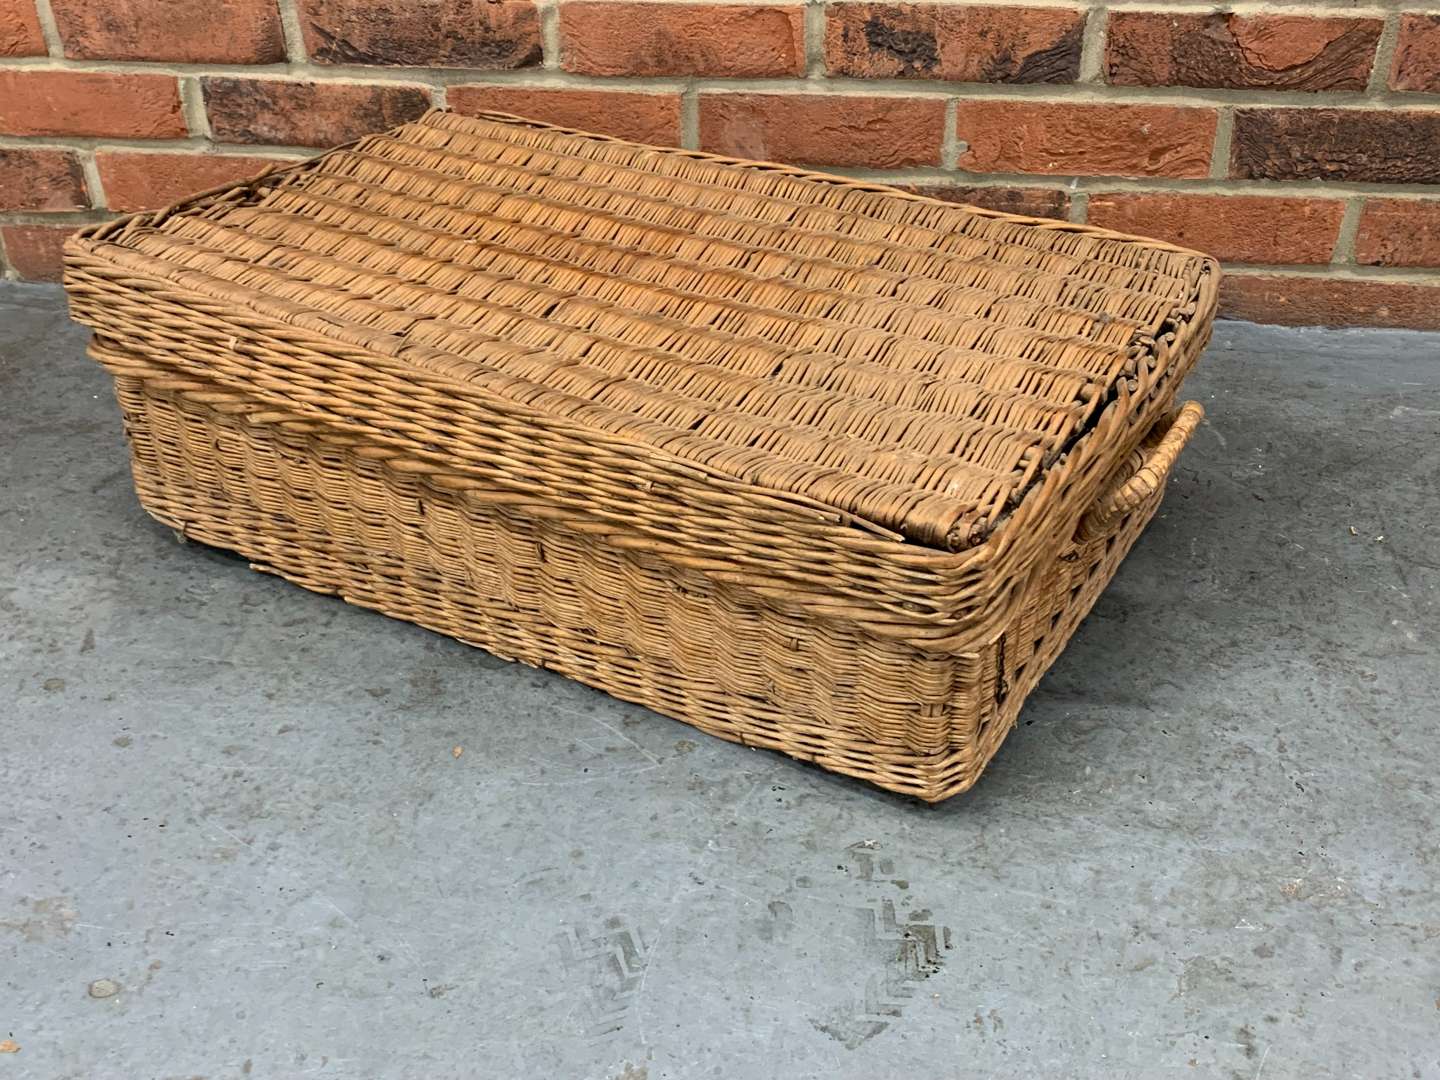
[807,462]
[302,506]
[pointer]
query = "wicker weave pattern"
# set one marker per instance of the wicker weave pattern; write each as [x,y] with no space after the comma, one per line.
[793,458]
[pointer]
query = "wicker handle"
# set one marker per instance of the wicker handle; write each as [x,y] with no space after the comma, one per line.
[1151,468]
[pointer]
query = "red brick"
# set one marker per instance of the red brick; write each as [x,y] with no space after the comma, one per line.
[1234,228]
[139,181]
[954,42]
[35,251]
[1086,139]
[90,103]
[1383,146]
[1265,52]
[1417,55]
[1027,201]
[1399,232]
[488,34]
[41,179]
[1329,301]
[727,40]
[306,113]
[189,31]
[20,29]
[640,117]
[824,129]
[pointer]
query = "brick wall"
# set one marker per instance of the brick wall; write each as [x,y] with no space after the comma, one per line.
[1301,144]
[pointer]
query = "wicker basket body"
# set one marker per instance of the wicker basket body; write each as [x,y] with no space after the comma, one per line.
[805,496]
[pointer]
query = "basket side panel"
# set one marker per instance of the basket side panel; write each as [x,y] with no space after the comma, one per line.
[311,511]
[988,702]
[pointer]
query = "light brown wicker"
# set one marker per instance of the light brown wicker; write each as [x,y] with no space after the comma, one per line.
[809,463]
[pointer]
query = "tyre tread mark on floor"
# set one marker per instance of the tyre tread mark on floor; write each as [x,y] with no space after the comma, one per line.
[911,944]
[612,964]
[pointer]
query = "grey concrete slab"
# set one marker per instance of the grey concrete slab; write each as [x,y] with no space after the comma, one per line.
[1209,850]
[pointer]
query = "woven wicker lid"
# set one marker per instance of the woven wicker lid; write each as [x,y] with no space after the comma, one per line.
[912,363]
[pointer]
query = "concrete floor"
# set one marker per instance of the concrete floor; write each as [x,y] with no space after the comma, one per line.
[1209,849]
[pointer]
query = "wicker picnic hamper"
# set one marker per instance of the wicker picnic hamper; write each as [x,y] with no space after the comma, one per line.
[809,463]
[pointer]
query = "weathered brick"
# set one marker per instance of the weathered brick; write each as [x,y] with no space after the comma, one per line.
[41,179]
[141,181]
[90,103]
[306,113]
[824,129]
[19,29]
[1385,146]
[1235,228]
[1328,300]
[726,40]
[640,117]
[1399,232]
[35,251]
[1085,139]
[1029,201]
[488,34]
[190,31]
[957,43]
[1267,52]
[1417,55]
